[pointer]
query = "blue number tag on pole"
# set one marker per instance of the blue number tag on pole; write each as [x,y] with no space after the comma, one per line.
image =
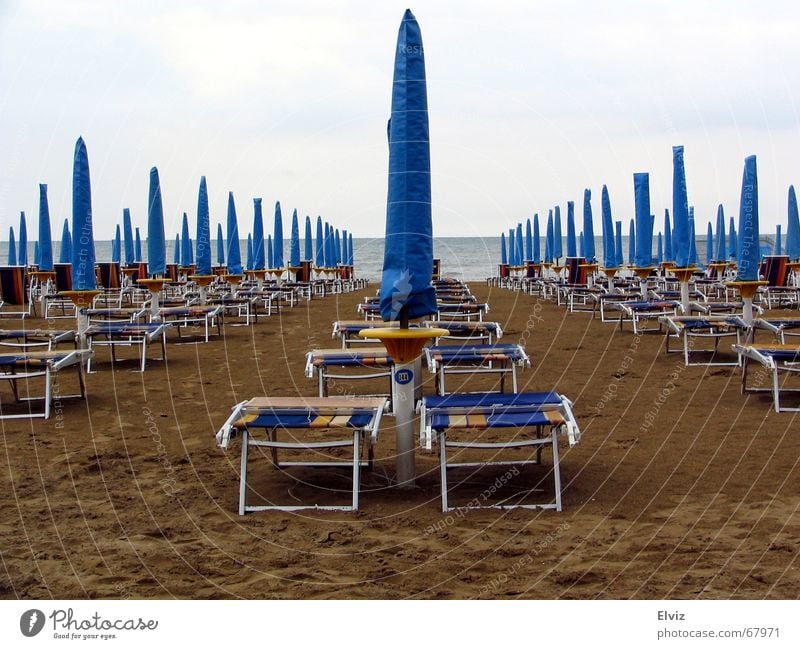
[403,376]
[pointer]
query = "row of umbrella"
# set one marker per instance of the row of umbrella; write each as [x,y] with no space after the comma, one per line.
[721,245]
[332,247]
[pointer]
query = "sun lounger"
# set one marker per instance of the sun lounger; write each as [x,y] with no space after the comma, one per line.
[461,422]
[207,316]
[469,330]
[693,329]
[779,327]
[115,334]
[779,360]
[348,330]
[637,311]
[25,365]
[13,291]
[127,314]
[361,416]
[502,359]
[322,361]
[30,338]
[461,310]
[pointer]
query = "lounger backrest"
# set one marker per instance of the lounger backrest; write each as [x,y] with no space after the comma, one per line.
[108,275]
[12,284]
[776,270]
[172,272]
[63,276]
[576,274]
[503,270]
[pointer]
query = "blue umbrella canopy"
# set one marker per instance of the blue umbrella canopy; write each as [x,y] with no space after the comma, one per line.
[632,243]
[269,252]
[234,253]
[176,250]
[720,248]
[588,226]
[406,290]
[83,276]
[537,258]
[572,249]
[668,256]
[294,247]
[277,237]
[116,246]
[186,243]
[558,246]
[709,244]
[733,243]
[512,248]
[693,261]
[12,248]
[337,246]
[22,249]
[221,245]
[320,260]
[344,246]
[138,246]
[680,209]
[45,257]
[309,246]
[618,259]
[326,246]
[259,261]
[520,245]
[581,248]
[203,231]
[528,241]
[793,229]
[549,243]
[65,254]
[609,251]
[749,252]
[36,253]
[503,253]
[350,250]
[644,224]
[777,249]
[249,258]
[156,242]
[660,249]
[127,231]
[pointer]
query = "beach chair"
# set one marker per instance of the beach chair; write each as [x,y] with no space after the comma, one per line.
[54,305]
[501,359]
[780,360]
[347,331]
[33,338]
[638,311]
[693,330]
[360,416]
[777,293]
[207,317]
[780,328]
[16,366]
[13,291]
[323,362]
[472,422]
[115,334]
[467,331]
[461,310]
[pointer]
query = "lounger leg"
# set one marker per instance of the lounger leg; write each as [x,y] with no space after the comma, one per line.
[776,391]
[442,438]
[514,377]
[556,470]
[356,467]
[48,377]
[243,473]
[143,353]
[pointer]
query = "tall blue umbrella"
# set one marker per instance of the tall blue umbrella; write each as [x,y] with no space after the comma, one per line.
[693,261]
[528,241]
[277,238]
[220,245]
[588,226]
[176,250]
[83,276]
[503,253]
[65,254]
[186,243]
[138,246]
[733,243]
[127,232]
[644,224]
[249,258]
[309,247]
[777,249]
[203,230]
[520,245]
[721,248]
[269,252]
[660,249]
[337,246]
[512,248]
[632,243]
[668,254]
[116,245]
[344,246]
[749,249]
[45,260]
[234,253]
[680,209]
[572,250]
[36,253]
[793,229]
[618,259]
[558,246]
[259,261]
[294,248]
[12,248]
[609,251]
[156,247]
[537,258]
[581,248]
[406,289]
[709,244]
[320,260]
[350,250]
[22,249]
[550,240]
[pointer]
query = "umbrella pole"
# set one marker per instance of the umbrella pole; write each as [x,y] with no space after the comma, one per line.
[403,381]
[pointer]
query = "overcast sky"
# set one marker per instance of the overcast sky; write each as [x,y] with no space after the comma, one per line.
[530,102]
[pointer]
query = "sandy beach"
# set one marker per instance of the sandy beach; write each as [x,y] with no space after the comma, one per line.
[680,488]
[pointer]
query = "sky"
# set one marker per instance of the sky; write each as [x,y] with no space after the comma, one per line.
[529,103]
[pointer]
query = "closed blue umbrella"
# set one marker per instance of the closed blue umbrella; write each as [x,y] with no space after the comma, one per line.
[632,243]
[320,244]
[138,246]
[83,276]
[12,248]
[581,248]
[330,262]
[45,257]
[709,244]
[558,246]
[644,224]
[609,252]
[176,250]
[22,250]
[337,246]
[309,246]
[693,261]
[350,250]
[277,238]
[528,241]
[777,249]
[668,254]
[344,246]
[36,253]
[503,253]
[660,249]
[186,243]
[572,250]
[549,245]
[520,245]
[156,243]
[270,259]
[618,259]
[733,242]
[234,253]
[249,258]
[512,248]
[680,209]
[588,226]
[220,245]
[537,258]
[127,231]
[749,250]
[65,254]
[721,248]
[793,229]
[294,247]
[259,261]
[116,246]
[203,231]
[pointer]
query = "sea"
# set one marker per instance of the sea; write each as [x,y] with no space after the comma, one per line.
[464,258]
